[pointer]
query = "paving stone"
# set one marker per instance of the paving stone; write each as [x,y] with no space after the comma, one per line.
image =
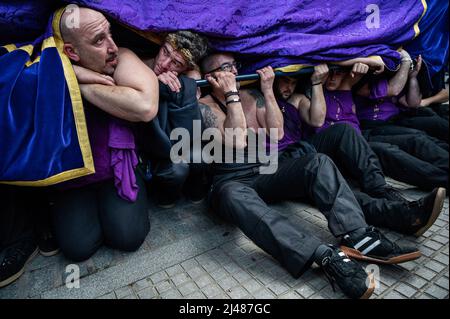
[305,291]
[141,284]
[442,282]
[263,294]
[180,279]
[227,283]
[437,292]
[416,281]
[111,295]
[158,277]
[163,286]
[124,291]
[290,295]
[252,285]
[406,290]
[237,292]
[147,293]
[174,270]
[188,288]
[278,288]
[394,295]
[203,281]
[211,291]
[171,294]
[196,272]
[426,273]
[435,266]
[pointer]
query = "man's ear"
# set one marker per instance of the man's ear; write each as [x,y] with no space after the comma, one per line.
[70,51]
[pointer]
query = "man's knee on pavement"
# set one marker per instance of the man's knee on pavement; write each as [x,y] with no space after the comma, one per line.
[79,249]
[127,237]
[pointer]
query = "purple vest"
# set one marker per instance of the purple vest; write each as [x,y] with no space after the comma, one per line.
[292,125]
[340,108]
[378,106]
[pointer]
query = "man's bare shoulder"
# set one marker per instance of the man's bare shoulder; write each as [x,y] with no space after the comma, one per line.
[252,96]
[298,99]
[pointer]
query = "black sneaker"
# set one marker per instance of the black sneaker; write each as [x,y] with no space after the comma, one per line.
[347,274]
[165,200]
[374,247]
[15,258]
[424,212]
[389,193]
[47,245]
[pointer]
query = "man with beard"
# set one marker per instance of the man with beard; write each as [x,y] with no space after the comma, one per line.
[240,194]
[111,205]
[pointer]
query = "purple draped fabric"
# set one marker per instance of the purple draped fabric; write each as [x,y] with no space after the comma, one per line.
[280,32]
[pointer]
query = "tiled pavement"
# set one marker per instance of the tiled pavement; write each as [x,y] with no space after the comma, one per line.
[191,254]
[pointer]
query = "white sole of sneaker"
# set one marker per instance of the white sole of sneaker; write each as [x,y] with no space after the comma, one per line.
[49,253]
[16,276]
[356,254]
[437,208]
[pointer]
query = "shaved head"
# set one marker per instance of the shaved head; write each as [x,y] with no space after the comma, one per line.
[88,42]
[87,17]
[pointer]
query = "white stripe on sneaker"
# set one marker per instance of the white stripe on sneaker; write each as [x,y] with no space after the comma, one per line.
[362,242]
[371,247]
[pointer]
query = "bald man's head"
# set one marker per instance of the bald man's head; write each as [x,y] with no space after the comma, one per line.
[89,43]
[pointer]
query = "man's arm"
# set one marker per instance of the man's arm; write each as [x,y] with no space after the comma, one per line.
[136,93]
[398,81]
[314,111]
[374,63]
[440,97]
[268,113]
[234,119]
[413,95]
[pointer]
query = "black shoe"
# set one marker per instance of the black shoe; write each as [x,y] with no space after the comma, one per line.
[47,245]
[424,212]
[166,200]
[373,246]
[15,258]
[389,193]
[347,274]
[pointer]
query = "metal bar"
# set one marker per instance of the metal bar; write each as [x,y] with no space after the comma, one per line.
[255,76]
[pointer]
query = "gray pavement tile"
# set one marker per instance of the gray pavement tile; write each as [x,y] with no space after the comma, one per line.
[252,285]
[196,272]
[290,295]
[212,290]
[158,277]
[393,295]
[443,283]
[203,281]
[123,291]
[111,295]
[406,290]
[141,284]
[263,294]
[147,293]
[237,292]
[163,286]
[227,283]
[180,279]
[171,294]
[188,288]
[305,291]
[437,292]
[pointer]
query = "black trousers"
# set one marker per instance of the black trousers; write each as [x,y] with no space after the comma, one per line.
[86,217]
[169,178]
[427,120]
[352,155]
[242,196]
[24,214]
[408,155]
